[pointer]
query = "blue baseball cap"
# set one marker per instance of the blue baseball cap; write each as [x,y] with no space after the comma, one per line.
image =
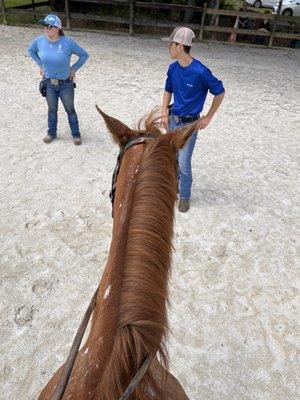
[52,20]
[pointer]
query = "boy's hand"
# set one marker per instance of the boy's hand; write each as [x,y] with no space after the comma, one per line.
[203,122]
[164,121]
[41,72]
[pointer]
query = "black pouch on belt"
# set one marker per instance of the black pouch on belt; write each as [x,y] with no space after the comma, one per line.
[43,88]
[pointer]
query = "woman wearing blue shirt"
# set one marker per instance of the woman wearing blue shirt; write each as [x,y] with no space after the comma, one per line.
[52,53]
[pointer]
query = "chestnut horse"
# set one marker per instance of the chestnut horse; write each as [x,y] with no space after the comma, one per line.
[129,322]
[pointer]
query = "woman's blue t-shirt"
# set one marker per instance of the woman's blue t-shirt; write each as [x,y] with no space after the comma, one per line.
[54,57]
[189,86]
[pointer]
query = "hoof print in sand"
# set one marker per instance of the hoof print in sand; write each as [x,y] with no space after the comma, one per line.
[41,287]
[24,314]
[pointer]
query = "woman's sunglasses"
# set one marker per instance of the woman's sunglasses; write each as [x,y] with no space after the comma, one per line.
[48,26]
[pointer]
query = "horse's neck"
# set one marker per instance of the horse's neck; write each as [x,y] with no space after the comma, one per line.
[105,316]
[129,321]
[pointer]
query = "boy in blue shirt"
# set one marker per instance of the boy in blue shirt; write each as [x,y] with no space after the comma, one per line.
[52,53]
[189,81]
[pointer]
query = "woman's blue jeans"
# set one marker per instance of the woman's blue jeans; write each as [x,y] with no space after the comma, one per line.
[65,92]
[184,158]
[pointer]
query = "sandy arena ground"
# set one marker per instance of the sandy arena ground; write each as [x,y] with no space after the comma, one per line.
[233,290]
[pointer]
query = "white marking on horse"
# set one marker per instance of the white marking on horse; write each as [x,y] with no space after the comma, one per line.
[120,205]
[137,170]
[86,350]
[107,292]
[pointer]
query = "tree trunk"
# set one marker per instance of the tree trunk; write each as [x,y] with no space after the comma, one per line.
[189,14]
[2,7]
[214,19]
[213,4]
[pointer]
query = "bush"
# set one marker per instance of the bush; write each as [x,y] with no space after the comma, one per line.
[231,4]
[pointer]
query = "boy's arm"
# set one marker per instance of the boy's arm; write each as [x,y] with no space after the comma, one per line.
[164,109]
[205,120]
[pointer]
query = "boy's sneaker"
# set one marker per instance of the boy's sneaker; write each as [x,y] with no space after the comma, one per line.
[77,141]
[48,139]
[183,205]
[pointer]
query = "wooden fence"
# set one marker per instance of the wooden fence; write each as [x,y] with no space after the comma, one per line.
[135,20]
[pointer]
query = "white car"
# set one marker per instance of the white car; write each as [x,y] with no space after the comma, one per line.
[289,8]
[262,3]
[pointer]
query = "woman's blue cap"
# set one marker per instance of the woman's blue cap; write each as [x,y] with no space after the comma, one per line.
[52,20]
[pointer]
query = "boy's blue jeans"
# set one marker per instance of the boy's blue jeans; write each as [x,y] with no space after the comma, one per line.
[65,92]
[184,158]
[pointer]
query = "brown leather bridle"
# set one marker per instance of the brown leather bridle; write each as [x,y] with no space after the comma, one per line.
[130,143]
[69,364]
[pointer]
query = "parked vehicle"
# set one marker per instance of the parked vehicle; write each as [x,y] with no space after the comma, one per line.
[262,3]
[289,8]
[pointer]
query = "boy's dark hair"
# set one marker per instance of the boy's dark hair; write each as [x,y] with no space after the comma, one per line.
[61,32]
[187,49]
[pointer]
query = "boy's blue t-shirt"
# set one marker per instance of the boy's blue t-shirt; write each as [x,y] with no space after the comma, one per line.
[189,86]
[54,57]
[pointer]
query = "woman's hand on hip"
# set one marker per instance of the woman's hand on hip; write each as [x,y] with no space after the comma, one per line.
[72,75]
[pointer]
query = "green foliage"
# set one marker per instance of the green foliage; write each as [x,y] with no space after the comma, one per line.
[14,3]
[19,19]
[231,4]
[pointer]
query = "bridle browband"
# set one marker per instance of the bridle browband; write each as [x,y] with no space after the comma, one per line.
[68,367]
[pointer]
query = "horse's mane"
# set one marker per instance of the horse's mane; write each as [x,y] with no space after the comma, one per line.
[150,122]
[142,325]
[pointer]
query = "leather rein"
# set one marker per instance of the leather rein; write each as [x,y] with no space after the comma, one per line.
[68,367]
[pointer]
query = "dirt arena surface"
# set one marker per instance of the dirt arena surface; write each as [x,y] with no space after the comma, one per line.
[233,290]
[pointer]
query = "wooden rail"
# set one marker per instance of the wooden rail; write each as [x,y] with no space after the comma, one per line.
[275,19]
[133,20]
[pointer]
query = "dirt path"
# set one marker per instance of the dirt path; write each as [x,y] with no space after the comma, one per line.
[233,290]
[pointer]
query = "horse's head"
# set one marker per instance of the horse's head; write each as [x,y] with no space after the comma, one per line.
[122,134]
[149,130]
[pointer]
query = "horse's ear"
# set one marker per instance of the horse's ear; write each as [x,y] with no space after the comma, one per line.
[120,132]
[180,136]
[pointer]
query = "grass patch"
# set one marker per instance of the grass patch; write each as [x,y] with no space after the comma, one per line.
[15,3]
[20,19]
[26,18]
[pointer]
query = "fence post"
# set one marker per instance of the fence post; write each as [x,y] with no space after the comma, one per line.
[277,16]
[202,22]
[272,32]
[131,16]
[3,12]
[68,14]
